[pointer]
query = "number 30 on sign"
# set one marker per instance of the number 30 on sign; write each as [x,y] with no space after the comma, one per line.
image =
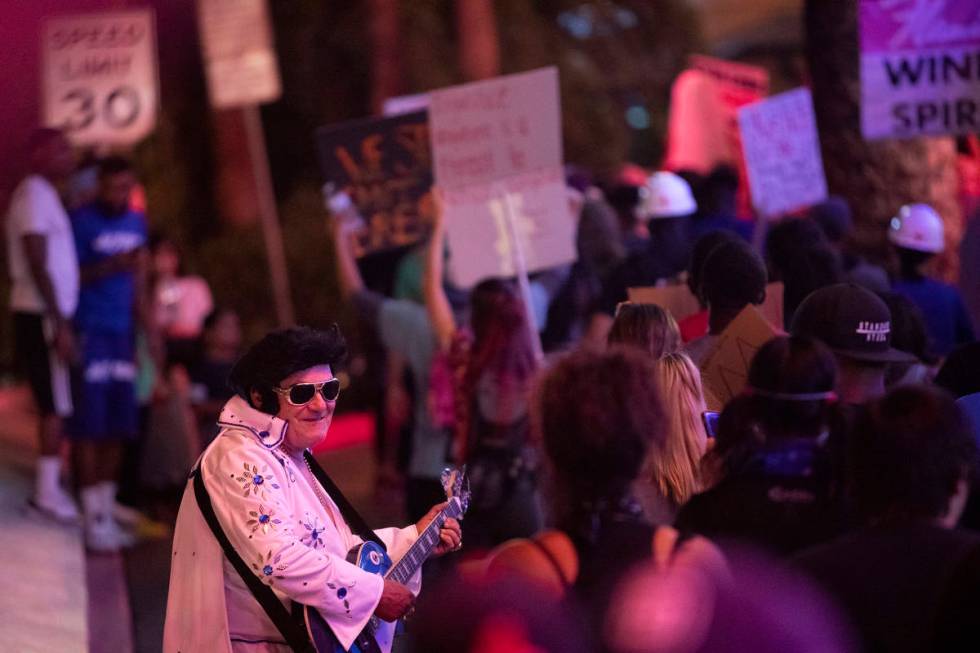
[100,76]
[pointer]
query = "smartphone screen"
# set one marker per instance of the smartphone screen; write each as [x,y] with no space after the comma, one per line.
[710,418]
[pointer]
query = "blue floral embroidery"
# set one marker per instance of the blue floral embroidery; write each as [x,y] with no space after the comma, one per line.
[342,594]
[263,519]
[288,469]
[312,538]
[268,567]
[255,481]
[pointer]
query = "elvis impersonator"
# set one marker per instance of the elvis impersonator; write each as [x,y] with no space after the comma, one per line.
[254,509]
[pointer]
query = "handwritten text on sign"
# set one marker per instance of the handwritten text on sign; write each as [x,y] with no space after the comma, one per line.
[782,153]
[385,166]
[495,139]
[100,76]
[920,67]
[491,130]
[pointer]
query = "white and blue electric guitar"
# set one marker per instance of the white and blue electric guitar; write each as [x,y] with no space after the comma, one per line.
[378,635]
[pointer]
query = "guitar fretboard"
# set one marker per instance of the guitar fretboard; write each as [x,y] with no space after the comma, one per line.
[405,568]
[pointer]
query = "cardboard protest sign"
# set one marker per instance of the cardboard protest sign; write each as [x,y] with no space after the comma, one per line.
[725,371]
[782,153]
[677,299]
[385,166]
[920,68]
[702,130]
[682,303]
[772,309]
[496,147]
[100,81]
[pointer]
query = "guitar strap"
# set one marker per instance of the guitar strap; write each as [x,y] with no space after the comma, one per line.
[357,524]
[295,635]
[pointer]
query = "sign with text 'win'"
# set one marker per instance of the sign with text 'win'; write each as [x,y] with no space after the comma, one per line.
[920,67]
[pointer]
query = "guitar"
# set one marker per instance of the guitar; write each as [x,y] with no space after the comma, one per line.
[378,635]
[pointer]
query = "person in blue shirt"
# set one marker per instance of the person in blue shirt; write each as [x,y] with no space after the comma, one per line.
[110,239]
[917,234]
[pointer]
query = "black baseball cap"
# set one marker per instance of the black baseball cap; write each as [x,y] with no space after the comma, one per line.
[851,320]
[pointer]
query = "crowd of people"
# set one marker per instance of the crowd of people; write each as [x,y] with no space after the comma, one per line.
[831,504]
[125,355]
[845,465]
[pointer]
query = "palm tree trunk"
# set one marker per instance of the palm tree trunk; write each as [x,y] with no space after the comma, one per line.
[476,29]
[875,177]
[386,60]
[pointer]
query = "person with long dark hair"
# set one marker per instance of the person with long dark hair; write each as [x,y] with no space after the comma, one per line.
[491,360]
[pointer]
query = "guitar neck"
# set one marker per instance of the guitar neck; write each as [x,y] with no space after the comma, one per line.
[419,552]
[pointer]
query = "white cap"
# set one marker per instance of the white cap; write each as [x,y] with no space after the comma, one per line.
[665,195]
[918,227]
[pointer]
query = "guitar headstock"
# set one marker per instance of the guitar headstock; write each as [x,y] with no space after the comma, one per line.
[456,486]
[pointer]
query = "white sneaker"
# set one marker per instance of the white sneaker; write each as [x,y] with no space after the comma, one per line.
[126,538]
[125,515]
[101,537]
[57,506]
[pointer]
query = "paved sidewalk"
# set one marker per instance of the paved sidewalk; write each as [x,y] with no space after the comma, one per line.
[56,597]
[44,601]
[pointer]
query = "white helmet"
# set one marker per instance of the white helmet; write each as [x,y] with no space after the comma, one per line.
[918,227]
[665,195]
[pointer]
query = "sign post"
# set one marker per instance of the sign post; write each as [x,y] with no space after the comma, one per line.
[242,72]
[100,82]
[523,281]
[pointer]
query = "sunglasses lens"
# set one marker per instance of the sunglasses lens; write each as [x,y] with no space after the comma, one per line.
[331,389]
[301,393]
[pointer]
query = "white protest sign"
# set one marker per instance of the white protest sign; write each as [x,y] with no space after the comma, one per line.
[497,152]
[920,67]
[100,81]
[782,153]
[240,59]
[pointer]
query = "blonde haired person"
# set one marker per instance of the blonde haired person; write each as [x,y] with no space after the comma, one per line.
[597,415]
[646,326]
[671,473]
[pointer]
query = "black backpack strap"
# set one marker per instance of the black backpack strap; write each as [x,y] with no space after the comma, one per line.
[295,636]
[351,516]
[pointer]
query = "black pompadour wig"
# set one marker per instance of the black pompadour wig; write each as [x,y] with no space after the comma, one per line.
[281,353]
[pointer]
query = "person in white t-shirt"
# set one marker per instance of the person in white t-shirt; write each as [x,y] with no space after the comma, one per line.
[43,298]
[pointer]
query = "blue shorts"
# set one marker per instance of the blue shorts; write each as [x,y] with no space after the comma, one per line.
[105,388]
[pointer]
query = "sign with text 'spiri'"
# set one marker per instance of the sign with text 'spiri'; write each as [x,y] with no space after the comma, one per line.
[782,153]
[100,81]
[920,67]
[496,147]
[384,164]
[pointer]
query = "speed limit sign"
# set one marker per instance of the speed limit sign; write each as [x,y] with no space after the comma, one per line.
[100,76]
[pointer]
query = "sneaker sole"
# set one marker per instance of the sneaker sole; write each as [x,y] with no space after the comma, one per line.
[33,508]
